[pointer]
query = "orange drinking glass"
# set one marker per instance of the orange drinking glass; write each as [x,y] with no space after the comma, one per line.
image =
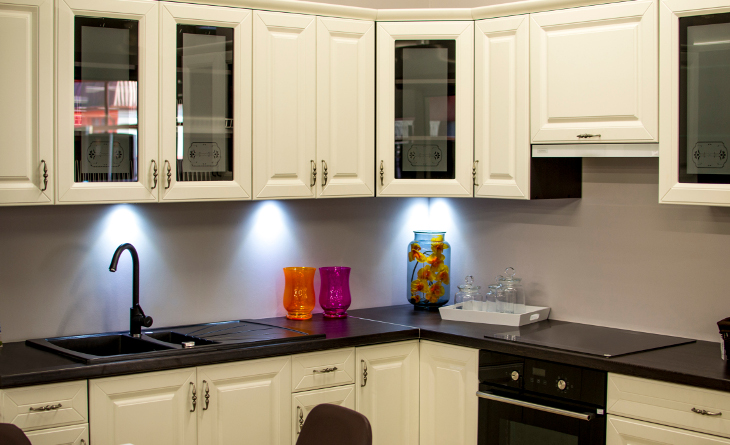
[299,292]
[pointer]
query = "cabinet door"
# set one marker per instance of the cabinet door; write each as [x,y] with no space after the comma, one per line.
[26,102]
[345,107]
[144,409]
[594,74]
[107,97]
[68,435]
[620,431]
[245,402]
[284,105]
[425,108]
[502,103]
[387,391]
[303,402]
[205,127]
[20,406]
[449,383]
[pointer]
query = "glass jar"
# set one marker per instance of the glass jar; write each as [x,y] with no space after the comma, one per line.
[512,286]
[490,298]
[334,291]
[468,295]
[429,259]
[299,292]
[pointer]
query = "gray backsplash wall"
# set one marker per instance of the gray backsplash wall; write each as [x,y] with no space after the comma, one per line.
[613,258]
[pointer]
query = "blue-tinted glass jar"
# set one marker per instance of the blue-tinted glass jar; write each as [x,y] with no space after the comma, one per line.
[428,271]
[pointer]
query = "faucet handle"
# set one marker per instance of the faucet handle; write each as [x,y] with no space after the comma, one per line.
[147,322]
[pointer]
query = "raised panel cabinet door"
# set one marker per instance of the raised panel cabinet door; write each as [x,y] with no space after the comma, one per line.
[322,369]
[345,107]
[594,74]
[449,383]
[205,84]
[26,102]
[425,109]
[387,391]
[107,99]
[303,402]
[620,431]
[502,103]
[245,403]
[68,403]
[284,105]
[67,435]
[156,408]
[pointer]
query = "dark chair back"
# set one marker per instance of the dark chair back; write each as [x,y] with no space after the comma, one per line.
[12,435]
[335,425]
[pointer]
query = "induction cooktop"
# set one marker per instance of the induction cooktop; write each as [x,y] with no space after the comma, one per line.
[587,339]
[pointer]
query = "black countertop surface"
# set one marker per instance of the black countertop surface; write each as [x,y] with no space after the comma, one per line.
[696,364]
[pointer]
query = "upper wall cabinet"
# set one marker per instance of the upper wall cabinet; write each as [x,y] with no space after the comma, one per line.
[502,102]
[694,102]
[594,74]
[107,101]
[205,84]
[425,108]
[26,101]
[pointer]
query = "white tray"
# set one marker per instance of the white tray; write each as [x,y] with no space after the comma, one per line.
[532,314]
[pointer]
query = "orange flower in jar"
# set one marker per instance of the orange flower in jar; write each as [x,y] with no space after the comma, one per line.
[435,292]
[442,274]
[416,254]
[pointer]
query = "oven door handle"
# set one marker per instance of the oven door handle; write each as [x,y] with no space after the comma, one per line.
[547,409]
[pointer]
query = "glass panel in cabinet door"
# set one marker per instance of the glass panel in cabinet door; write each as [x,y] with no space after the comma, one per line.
[204,103]
[106,70]
[425,103]
[704,99]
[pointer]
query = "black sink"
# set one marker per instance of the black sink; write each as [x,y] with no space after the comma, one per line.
[102,348]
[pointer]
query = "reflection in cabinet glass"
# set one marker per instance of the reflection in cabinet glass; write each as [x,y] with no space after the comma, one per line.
[425,99]
[105,99]
[704,99]
[205,99]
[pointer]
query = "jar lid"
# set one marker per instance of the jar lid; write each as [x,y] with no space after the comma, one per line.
[509,276]
[468,285]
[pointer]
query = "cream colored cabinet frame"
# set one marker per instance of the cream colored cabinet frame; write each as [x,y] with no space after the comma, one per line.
[284,105]
[594,74]
[66,435]
[26,111]
[241,20]
[345,107]
[304,402]
[387,33]
[146,187]
[502,104]
[620,431]
[671,191]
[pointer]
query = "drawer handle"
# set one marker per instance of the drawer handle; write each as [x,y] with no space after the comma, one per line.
[704,412]
[325,370]
[46,408]
[588,135]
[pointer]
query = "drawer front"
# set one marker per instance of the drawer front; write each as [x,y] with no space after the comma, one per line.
[620,431]
[44,406]
[303,402]
[669,404]
[66,435]
[316,370]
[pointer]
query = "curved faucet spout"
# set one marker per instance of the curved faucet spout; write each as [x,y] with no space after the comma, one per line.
[137,317]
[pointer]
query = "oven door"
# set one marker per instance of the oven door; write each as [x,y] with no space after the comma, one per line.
[507,419]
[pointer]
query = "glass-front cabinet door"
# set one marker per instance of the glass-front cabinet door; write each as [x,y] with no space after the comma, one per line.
[695,102]
[107,101]
[425,109]
[205,80]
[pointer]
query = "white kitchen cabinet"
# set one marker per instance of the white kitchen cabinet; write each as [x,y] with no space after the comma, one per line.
[284,105]
[155,408]
[323,369]
[502,104]
[387,391]
[594,74]
[620,431]
[67,435]
[345,107]
[205,108]
[107,98]
[425,108]
[448,402]
[26,102]
[303,402]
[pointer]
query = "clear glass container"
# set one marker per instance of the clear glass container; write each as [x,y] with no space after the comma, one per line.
[469,295]
[490,298]
[428,281]
[515,294]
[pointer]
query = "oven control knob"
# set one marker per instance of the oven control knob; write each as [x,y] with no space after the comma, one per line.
[515,375]
[562,385]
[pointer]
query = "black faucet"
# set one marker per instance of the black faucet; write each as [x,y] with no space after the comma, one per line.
[137,318]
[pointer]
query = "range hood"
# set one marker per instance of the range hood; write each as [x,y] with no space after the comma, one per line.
[596,151]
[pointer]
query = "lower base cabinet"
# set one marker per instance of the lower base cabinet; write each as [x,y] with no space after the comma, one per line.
[69,435]
[303,402]
[620,431]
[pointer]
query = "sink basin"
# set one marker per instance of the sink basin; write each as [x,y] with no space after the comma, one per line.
[177,338]
[102,348]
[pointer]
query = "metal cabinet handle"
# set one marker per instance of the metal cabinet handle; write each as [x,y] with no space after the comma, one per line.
[325,370]
[588,135]
[704,412]
[324,173]
[45,408]
[195,397]
[45,176]
[364,373]
[154,174]
[314,173]
[474,173]
[206,388]
[535,406]
[169,175]
[382,173]
[300,415]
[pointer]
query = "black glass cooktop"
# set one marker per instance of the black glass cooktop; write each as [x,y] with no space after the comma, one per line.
[587,339]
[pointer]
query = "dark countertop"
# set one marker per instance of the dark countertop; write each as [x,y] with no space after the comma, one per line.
[696,364]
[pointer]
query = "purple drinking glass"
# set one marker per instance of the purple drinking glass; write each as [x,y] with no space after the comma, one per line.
[334,291]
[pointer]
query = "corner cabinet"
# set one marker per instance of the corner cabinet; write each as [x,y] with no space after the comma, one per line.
[425,108]
[26,102]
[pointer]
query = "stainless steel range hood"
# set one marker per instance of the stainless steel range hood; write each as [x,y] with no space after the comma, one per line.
[596,151]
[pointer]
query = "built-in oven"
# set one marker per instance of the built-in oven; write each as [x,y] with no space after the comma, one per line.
[526,402]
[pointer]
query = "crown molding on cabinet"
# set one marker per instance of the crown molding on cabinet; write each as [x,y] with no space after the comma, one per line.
[405,15]
[296,6]
[530,6]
